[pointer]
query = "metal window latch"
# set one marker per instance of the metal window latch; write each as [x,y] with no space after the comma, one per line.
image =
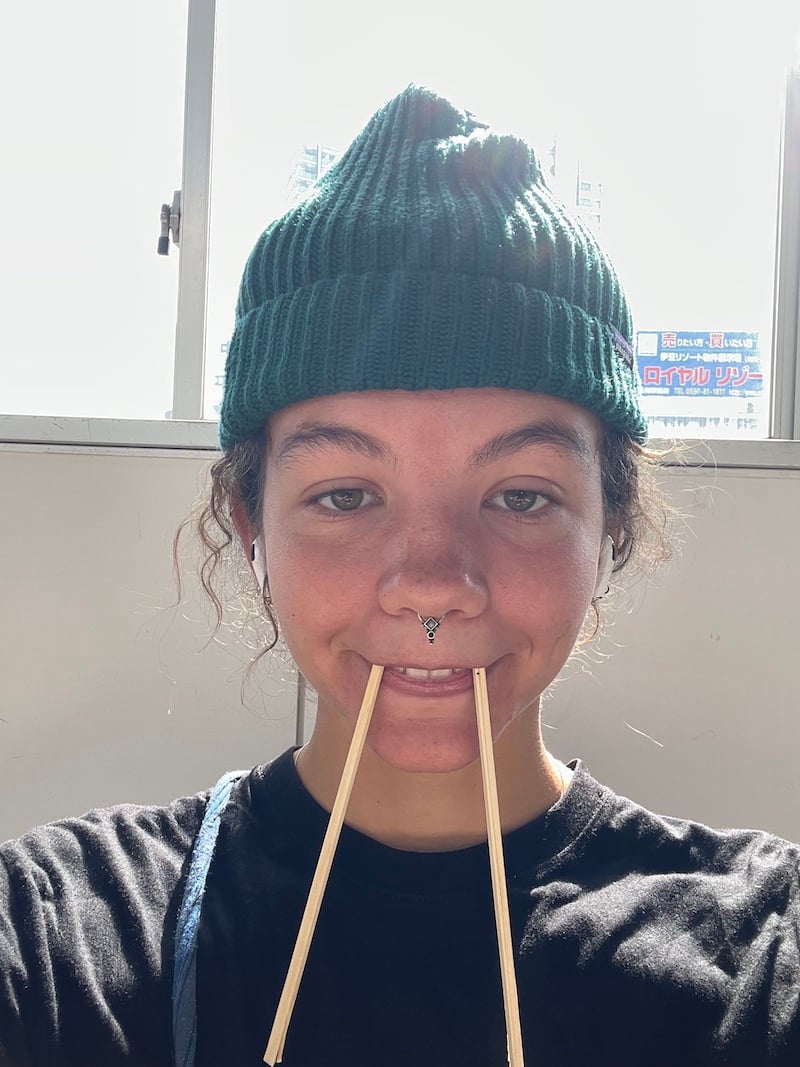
[170,221]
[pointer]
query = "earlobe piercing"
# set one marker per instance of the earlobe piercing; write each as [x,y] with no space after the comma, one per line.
[605,565]
[431,625]
[261,577]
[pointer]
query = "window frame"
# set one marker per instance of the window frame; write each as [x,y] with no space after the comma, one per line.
[198,115]
[785,407]
[187,431]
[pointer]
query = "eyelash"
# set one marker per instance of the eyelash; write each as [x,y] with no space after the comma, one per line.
[520,516]
[542,499]
[316,501]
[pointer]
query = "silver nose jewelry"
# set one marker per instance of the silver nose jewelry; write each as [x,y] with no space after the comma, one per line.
[431,625]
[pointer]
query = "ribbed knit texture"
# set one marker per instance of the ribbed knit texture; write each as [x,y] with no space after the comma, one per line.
[431,256]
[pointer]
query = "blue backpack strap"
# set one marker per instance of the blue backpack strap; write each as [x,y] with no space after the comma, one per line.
[184,976]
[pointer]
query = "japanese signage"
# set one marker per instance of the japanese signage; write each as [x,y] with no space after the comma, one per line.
[713,364]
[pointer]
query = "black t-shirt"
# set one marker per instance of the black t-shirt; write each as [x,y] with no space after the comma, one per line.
[640,940]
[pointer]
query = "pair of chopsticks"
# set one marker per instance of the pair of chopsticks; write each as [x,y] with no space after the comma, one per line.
[277,1038]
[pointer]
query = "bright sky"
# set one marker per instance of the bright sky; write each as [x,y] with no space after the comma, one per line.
[674,108]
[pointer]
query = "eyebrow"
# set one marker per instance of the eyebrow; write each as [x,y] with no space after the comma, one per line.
[315,436]
[545,432]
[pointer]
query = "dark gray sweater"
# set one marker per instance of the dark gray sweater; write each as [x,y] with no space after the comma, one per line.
[641,940]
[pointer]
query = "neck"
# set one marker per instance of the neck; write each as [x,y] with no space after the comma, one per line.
[427,812]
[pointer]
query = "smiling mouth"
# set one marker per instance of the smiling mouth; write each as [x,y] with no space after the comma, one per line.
[440,675]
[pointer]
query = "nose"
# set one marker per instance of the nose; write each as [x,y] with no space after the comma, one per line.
[432,570]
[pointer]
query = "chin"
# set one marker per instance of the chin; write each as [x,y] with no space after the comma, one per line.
[427,749]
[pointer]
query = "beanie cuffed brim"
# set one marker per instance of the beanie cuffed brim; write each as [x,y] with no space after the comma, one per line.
[419,331]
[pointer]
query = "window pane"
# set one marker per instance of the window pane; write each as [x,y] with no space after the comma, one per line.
[93,95]
[659,125]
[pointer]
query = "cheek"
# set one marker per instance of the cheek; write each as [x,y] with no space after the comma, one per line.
[555,580]
[314,587]
[574,578]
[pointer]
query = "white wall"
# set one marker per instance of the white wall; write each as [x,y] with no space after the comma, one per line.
[706,663]
[108,697]
[107,694]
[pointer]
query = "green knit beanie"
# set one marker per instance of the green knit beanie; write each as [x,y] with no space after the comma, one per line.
[431,256]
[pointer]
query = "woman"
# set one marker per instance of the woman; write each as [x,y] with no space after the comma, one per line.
[432,462]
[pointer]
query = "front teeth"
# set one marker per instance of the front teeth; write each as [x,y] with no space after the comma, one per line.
[430,676]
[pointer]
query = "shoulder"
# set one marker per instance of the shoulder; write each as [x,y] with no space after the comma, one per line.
[599,820]
[87,914]
[96,884]
[151,843]
[627,863]
[104,844]
[664,843]
[669,920]
[690,891]
[640,877]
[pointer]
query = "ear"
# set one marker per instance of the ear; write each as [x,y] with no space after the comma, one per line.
[252,542]
[605,566]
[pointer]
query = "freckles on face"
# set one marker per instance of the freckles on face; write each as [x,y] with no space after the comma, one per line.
[320,586]
[482,506]
[545,596]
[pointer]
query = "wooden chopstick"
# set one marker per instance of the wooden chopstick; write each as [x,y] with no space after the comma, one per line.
[499,889]
[283,1015]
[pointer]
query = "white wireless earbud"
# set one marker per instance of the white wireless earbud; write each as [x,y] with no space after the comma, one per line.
[605,565]
[257,563]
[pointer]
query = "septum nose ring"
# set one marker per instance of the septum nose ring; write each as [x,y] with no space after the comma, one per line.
[431,625]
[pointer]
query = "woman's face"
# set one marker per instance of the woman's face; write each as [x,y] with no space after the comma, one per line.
[480,505]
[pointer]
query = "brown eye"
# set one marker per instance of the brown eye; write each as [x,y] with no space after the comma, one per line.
[522,499]
[344,499]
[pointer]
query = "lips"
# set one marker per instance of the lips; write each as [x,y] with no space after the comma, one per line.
[440,674]
[422,682]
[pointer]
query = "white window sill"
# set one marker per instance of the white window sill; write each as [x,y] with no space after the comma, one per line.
[51,433]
